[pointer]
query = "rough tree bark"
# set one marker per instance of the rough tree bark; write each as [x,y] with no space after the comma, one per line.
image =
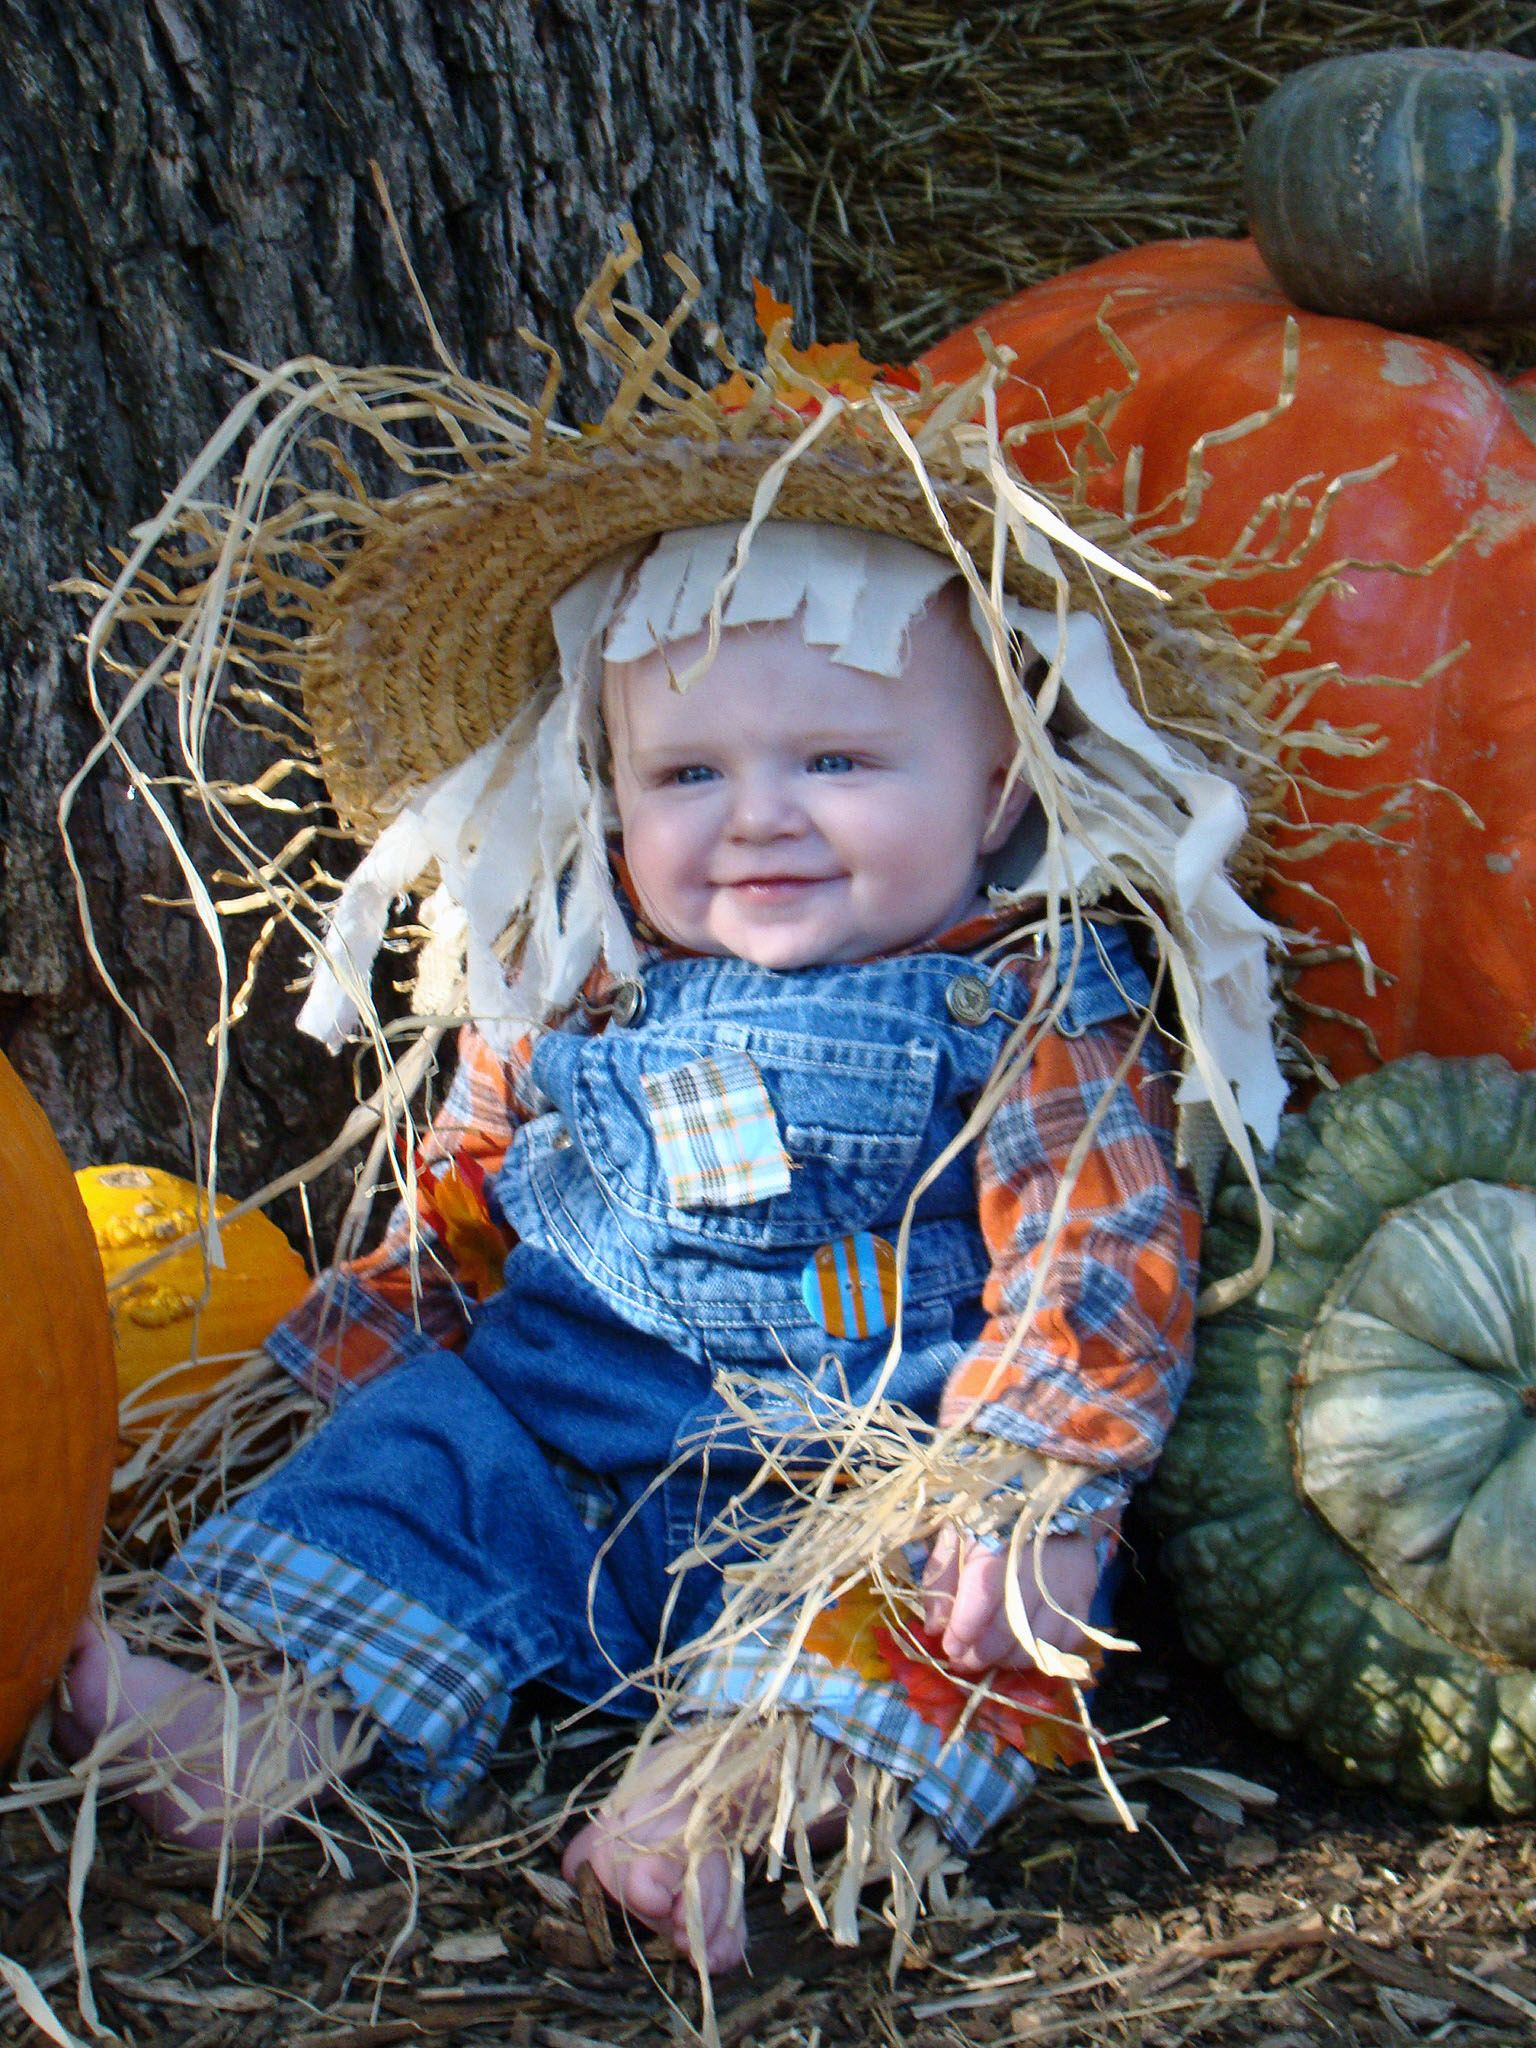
[179,177]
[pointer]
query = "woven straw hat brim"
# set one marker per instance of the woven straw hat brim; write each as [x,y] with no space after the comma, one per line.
[436,631]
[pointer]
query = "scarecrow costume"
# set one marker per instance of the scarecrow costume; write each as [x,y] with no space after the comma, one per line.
[799,1267]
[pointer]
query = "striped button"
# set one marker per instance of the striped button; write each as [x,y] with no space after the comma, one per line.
[849,1286]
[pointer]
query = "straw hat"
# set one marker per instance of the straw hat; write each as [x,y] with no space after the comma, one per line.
[434,630]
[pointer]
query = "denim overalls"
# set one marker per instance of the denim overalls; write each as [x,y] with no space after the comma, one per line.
[647,1260]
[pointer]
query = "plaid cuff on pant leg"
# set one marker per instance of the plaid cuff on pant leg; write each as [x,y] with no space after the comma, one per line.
[439,1699]
[967,1782]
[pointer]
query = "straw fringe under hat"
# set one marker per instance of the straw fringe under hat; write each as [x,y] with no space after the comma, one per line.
[434,631]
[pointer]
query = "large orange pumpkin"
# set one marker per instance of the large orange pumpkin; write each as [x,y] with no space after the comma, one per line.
[59,1398]
[1447,909]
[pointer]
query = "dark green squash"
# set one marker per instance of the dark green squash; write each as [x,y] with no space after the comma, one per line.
[1399,186]
[1349,1498]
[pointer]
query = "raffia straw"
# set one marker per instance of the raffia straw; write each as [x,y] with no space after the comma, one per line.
[82,1851]
[23,1988]
[758,1780]
[376,1120]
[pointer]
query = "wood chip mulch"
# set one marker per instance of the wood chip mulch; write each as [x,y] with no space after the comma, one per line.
[1320,1919]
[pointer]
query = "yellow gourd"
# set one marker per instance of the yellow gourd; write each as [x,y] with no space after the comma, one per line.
[186,1312]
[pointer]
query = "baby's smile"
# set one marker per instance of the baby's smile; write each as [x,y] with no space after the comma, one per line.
[768,888]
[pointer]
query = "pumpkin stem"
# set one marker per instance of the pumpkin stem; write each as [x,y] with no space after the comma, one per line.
[1528,1399]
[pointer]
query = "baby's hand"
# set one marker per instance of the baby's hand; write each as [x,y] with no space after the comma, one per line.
[963,1597]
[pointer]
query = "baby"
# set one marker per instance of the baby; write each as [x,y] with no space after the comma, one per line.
[805,842]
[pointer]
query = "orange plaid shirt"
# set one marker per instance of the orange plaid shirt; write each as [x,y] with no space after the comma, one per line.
[1084,1361]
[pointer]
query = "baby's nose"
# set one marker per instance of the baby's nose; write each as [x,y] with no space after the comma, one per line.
[765,807]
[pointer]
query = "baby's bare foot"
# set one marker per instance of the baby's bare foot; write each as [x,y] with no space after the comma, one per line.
[641,1842]
[639,1849]
[179,1721]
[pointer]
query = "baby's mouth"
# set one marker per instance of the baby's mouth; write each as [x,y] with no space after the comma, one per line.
[765,888]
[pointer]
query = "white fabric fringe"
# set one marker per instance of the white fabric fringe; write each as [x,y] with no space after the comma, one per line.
[517,833]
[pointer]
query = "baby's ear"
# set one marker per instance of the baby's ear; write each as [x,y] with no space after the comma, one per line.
[1007,801]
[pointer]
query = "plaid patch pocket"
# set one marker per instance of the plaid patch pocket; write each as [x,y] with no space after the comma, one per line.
[716,1133]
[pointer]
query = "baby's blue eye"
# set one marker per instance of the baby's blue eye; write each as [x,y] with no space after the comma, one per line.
[695,772]
[831,764]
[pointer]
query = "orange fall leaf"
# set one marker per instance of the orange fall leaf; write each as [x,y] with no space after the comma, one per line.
[456,1207]
[1024,1710]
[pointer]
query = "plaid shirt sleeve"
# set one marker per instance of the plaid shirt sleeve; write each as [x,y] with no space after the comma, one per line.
[1096,1373]
[360,1319]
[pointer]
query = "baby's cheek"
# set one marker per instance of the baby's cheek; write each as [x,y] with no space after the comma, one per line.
[655,853]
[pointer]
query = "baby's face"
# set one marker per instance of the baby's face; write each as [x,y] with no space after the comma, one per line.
[792,811]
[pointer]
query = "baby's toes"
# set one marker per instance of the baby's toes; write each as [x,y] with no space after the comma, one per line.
[724,1932]
[643,1883]
[90,1692]
[649,1886]
[581,1848]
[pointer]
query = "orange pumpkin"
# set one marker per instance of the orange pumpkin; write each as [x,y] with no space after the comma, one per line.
[180,1328]
[1446,908]
[60,1406]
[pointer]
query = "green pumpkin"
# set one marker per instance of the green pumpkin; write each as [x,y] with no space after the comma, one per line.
[1399,186]
[1349,1498]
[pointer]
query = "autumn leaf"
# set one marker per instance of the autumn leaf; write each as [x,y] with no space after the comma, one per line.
[844,1631]
[1023,1710]
[838,367]
[861,1631]
[456,1207]
[767,310]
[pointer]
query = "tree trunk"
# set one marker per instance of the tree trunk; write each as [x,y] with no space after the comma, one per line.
[180,177]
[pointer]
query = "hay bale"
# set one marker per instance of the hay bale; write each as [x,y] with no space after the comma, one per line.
[940,159]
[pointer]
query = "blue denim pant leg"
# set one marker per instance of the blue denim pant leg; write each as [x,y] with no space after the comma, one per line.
[426,1482]
[428,1545]
[613,1401]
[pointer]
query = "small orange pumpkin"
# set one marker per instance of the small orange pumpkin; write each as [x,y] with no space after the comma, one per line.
[180,1328]
[60,1406]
